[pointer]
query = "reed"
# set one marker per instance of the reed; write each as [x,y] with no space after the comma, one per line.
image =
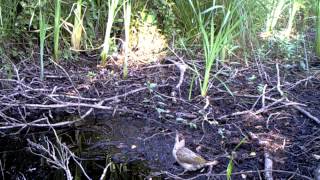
[127,19]
[112,12]
[56,32]
[295,7]
[77,27]
[43,26]
[214,37]
[274,15]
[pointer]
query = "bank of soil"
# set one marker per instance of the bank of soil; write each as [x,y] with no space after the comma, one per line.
[142,116]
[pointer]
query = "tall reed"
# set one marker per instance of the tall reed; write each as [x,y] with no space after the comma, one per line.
[112,11]
[127,19]
[77,27]
[295,6]
[43,26]
[57,16]
[274,15]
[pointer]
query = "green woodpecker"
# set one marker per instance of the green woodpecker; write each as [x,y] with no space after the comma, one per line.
[188,159]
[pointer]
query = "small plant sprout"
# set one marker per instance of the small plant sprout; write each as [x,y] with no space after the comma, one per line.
[318,30]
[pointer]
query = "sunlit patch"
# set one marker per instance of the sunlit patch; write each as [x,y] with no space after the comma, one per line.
[271,141]
[147,45]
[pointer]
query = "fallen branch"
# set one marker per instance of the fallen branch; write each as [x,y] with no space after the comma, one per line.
[268,163]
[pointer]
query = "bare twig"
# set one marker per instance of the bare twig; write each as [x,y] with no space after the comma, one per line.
[306,113]
[57,155]
[278,80]
[268,165]
[317,173]
[103,175]
[1,168]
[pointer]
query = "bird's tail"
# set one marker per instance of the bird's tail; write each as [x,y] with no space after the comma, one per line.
[212,163]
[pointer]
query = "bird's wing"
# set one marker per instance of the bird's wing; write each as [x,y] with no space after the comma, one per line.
[185,155]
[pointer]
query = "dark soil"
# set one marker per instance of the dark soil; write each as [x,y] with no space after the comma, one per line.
[140,126]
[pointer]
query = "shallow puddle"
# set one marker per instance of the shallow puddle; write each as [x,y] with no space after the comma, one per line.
[97,142]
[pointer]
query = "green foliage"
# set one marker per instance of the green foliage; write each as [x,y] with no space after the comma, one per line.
[229,169]
[13,15]
[166,18]
[19,21]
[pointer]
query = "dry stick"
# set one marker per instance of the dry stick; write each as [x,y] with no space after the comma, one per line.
[117,97]
[234,173]
[61,104]
[278,80]
[182,68]
[1,168]
[317,173]
[295,106]
[103,175]
[63,147]
[50,152]
[72,83]
[306,113]
[259,111]
[70,104]
[268,164]
[263,100]
[304,80]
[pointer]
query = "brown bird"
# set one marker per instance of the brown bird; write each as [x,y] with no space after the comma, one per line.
[188,159]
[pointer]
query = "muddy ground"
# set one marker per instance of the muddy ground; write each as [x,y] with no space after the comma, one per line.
[134,120]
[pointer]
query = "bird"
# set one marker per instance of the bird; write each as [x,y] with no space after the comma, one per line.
[188,159]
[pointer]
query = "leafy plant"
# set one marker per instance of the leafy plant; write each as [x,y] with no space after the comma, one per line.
[213,38]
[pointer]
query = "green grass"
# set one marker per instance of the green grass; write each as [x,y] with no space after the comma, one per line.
[214,37]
